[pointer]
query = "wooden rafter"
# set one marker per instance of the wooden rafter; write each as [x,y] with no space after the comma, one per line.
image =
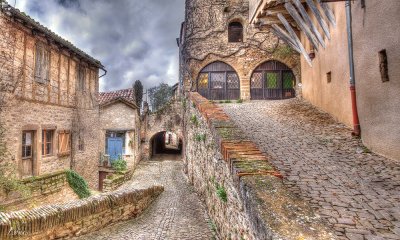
[308,21]
[328,12]
[295,38]
[303,26]
[319,18]
[282,34]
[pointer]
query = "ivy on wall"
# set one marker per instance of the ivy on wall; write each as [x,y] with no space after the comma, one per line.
[78,184]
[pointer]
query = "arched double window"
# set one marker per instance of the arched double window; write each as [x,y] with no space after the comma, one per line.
[272,80]
[219,81]
[235,32]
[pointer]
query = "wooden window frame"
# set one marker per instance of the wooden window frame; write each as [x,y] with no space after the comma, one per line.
[81,77]
[42,63]
[23,156]
[45,142]
[64,149]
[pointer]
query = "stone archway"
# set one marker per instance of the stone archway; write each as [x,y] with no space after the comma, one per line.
[165,143]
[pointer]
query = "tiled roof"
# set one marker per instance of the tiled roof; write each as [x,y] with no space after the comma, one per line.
[126,94]
[36,26]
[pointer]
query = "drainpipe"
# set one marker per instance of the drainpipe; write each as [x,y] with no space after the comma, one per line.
[356,122]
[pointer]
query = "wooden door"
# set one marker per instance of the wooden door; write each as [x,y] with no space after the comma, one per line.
[115,147]
[28,153]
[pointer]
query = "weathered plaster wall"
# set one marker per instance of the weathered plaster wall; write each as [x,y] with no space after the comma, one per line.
[63,221]
[333,97]
[205,41]
[29,105]
[119,116]
[217,158]
[377,27]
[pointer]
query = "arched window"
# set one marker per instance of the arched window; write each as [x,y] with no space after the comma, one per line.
[218,81]
[272,80]
[235,32]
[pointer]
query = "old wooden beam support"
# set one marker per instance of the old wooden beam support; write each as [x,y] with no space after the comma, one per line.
[328,12]
[308,21]
[285,37]
[319,18]
[294,36]
[295,15]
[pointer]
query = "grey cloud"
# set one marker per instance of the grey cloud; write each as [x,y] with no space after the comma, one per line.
[134,39]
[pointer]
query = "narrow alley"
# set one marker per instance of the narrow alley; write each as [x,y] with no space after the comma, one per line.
[176,214]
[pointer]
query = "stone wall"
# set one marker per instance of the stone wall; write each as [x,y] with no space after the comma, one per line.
[56,105]
[77,217]
[166,119]
[115,180]
[39,187]
[205,40]
[244,194]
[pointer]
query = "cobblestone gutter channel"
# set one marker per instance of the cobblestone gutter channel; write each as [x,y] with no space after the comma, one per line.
[244,194]
[77,217]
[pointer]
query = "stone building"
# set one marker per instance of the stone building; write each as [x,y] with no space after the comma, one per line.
[222,56]
[120,126]
[322,37]
[49,107]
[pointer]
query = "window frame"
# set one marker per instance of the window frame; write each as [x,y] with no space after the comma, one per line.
[24,145]
[42,63]
[45,141]
[235,32]
[81,77]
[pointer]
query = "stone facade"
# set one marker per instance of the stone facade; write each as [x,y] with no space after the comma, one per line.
[204,40]
[244,194]
[76,218]
[57,105]
[167,119]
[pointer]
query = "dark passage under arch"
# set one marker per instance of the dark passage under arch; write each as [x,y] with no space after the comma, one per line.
[165,143]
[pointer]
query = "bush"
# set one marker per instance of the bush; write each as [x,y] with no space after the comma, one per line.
[119,165]
[228,101]
[239,101]
[194,120]
[78,184]
[221,193]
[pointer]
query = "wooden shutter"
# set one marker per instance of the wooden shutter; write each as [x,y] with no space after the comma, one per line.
[64,143]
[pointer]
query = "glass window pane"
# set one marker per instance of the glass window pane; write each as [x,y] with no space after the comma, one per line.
[271,80]
[48,149]
[232,81]
[288,80]
[217,80]
[257,80]
[203,81]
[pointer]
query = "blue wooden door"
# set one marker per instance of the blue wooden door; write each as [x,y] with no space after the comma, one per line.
[114,148]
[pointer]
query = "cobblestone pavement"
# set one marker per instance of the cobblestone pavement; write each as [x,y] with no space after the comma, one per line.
[356,191]
[176,214]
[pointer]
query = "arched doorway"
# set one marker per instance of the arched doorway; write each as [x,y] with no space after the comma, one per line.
[272,80]
[165,143]
[219,81]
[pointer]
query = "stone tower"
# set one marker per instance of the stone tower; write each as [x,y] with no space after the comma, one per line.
[204,40]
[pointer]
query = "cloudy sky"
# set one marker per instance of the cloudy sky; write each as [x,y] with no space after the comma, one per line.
[134,39]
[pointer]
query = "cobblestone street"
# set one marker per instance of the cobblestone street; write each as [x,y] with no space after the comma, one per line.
[176,214]
[358,192]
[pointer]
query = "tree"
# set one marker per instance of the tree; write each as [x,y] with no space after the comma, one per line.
[138,89]
[159,96]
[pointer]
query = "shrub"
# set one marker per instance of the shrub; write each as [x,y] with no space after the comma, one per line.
[221,193]
[228,101]
[119,165]
[200,137]
[78,184]
[194,120]
[239,101]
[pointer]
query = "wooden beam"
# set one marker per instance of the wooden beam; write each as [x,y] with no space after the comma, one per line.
[328,12]
[282,34]
[319,18]
[295,15]
[294,36]
[308,21]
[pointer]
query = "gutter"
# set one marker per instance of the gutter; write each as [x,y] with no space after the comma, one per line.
[356,121]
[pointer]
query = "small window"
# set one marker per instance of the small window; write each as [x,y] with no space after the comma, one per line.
[42,64]
[81,77]
[383,66]
[27,140]
[235,32]
[47,142]
[329,77]
[64,142]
